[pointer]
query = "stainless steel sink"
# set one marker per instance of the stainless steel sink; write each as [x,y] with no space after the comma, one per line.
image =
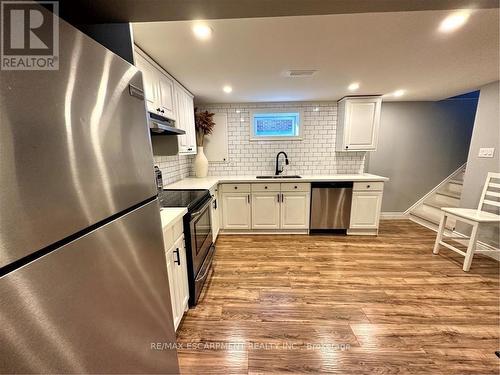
[278,176]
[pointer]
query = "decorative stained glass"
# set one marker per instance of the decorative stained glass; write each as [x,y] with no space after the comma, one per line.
[279,124]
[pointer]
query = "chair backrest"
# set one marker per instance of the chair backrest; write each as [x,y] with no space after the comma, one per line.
[491,191]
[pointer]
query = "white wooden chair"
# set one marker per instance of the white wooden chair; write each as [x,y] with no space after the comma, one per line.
[475,217]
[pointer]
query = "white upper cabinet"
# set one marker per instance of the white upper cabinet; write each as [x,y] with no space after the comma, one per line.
[150,86]
[358,121]
[166,94]
[158,86]
[185,120]
[166,97]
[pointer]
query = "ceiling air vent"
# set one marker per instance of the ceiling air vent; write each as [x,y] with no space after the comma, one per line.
[301,73]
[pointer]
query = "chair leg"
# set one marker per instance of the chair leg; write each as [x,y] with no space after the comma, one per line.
[471,248]
[439,237]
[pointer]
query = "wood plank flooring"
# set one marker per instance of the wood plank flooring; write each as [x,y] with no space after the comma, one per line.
[347,305]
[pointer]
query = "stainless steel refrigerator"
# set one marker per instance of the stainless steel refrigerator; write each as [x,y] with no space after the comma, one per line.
[83,282]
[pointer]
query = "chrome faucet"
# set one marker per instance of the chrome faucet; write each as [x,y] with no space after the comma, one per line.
[278,170]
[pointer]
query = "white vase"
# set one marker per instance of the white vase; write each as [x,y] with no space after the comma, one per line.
[200,164]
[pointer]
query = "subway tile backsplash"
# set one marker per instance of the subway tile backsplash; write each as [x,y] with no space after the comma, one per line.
[314,154]
[174,168]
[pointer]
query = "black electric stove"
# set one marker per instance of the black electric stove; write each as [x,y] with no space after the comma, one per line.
[200,249]
[191,199]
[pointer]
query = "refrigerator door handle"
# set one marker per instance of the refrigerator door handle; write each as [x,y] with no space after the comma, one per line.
[136,92]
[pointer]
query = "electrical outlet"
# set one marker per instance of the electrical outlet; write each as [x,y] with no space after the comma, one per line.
[486,152]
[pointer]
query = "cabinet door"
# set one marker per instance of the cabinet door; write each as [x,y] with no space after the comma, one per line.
[362,119]
[365,209]
[150,81]
[215,216]
[166,91]
[265,210]
[185,121]
[236,211]
[295,210]
[172,283]
[182,286]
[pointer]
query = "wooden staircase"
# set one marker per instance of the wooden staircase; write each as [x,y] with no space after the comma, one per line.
[428,211]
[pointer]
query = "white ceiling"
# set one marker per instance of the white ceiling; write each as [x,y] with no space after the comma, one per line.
[382,51]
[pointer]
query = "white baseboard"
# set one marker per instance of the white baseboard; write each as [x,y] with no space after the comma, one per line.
[393,215]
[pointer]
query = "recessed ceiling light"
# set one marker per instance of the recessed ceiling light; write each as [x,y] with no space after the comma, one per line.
[398,93]
[353,86]
[227,89]
[238,111]
[316,109]
[454,21]
[202,32]
[242,119]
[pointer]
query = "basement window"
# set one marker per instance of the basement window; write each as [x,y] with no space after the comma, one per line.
[276,125]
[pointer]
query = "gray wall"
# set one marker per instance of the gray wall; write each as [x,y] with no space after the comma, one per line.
[420,143]
[486,134]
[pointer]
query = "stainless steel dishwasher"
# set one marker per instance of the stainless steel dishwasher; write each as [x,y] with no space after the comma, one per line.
[330,207]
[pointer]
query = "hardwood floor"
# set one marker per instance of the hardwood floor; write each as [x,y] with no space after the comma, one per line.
[350,305]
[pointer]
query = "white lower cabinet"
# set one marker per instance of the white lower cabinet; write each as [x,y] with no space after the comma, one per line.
[215,213]
[175,255]
[285,206]
[365,209]
[295,210]
[265,210]
[236,211]
[265,206]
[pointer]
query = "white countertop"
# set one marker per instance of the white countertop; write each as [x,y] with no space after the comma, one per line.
[170,215]
[210,181]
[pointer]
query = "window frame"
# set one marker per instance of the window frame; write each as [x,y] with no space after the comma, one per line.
[298,137]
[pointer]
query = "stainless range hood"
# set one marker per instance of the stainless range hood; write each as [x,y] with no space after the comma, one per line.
[159,125]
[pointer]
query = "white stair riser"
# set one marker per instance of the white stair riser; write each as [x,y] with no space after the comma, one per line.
[456,188]
[432,214]
[443,201]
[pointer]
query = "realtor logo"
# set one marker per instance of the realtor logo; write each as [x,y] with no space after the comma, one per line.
[30,35]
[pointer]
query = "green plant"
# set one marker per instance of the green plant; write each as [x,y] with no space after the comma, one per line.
[204,124]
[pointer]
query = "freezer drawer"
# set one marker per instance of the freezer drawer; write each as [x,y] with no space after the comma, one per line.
[330,206]
[95,305]
[74,146]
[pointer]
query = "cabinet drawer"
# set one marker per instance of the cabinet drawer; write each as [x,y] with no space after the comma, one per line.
[236,188]
[172,233]
[368,186]
[266,187]
[295,186]
[178,229]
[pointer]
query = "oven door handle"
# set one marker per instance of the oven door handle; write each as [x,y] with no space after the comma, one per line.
[200,211]
[206,264]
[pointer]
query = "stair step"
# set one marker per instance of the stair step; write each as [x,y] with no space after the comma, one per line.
[455,188]
[430,225]
[448,193]
[439,201]
[434,204]
[456,182]
[432,215]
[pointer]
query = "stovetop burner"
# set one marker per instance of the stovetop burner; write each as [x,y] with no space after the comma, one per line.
[183,198]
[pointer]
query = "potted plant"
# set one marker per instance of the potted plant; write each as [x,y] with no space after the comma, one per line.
[204,124]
